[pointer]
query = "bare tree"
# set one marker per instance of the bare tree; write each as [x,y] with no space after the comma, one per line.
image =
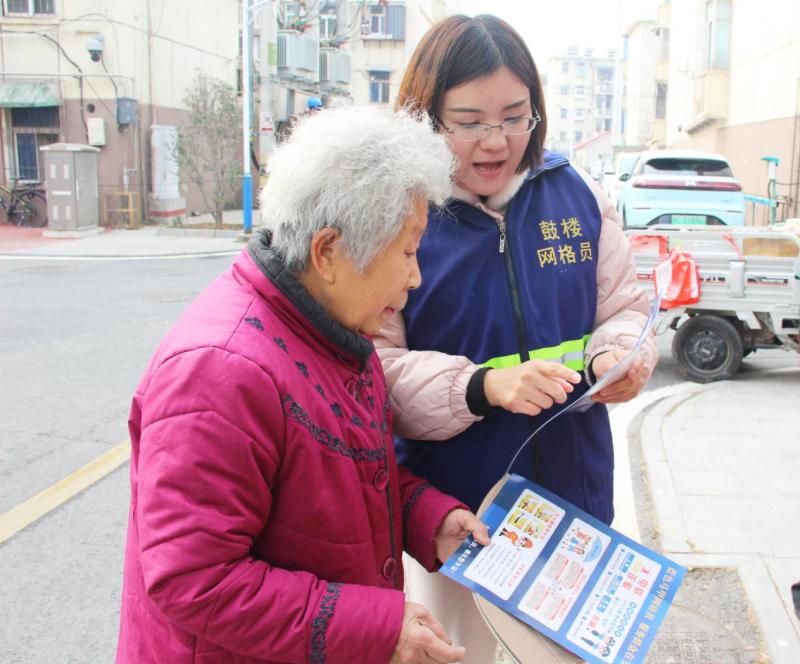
[208,142]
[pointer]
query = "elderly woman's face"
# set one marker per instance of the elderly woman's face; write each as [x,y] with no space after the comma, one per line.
[373,297]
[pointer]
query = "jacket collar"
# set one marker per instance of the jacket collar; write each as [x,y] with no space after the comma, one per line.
[273,268]
[499,201]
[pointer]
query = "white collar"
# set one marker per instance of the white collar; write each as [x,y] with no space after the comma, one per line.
[496,202]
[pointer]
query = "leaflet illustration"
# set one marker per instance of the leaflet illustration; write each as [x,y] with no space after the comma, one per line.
[564,573]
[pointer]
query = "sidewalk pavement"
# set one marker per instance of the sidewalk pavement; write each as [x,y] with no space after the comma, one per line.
[144,242]
[722,464]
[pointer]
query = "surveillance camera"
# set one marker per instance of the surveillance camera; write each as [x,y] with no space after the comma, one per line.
[95,46]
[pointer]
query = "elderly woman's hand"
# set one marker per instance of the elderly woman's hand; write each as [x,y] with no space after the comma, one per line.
[530,387]
[626,387]
[454,530]
[422,640]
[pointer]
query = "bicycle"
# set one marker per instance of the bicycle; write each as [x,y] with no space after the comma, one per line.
[24,205]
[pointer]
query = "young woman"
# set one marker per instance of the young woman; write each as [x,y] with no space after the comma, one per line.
[528,281]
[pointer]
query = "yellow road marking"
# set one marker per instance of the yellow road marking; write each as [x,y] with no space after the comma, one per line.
[36,507]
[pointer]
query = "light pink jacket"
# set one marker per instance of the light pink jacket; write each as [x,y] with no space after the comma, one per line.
[427,389]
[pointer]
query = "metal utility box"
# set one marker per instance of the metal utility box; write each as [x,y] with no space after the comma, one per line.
[334,69]
[71,177]
[127,111]
[298,56]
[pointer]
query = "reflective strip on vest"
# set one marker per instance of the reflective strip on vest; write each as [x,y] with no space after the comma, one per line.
[568,353]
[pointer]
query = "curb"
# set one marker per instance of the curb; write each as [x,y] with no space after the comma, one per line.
[621,418]
[779,633]
[117,257]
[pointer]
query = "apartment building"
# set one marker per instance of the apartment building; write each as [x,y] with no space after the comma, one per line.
[105,73]
[388,33]
[728,80]
[579,93]
[636,71]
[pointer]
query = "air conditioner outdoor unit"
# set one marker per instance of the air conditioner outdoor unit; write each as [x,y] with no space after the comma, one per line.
[298,56]
[334,68]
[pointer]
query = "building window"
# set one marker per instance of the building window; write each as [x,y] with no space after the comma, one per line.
[580,69]
[28,7]
[31,129]
[564,112]
[294,16]
[663,44]
[718,34]
[384,22]
[565,67]
[377,20]
[661,101]
[578,136]
[562,136]
[564,89]
[580,91]
[379,87]
[579,113]
[327,21]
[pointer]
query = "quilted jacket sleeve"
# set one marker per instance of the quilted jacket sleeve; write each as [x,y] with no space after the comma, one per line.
[427,389]
[424,509]
[622,305]
[206,464]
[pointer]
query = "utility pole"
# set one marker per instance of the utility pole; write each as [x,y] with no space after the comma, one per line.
[247,104]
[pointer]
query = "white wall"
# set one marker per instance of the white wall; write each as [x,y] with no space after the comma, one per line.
[685,54]
[640,83]
[188,37]
[765,60]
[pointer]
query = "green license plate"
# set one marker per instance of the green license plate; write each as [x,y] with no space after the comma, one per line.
[689,219]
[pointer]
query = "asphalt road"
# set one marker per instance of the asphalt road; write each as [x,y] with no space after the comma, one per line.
[77,336]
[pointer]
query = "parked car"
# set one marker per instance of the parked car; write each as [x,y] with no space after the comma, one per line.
[612,179]
[680,187]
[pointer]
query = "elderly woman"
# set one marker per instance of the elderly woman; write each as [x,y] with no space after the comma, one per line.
[268,515]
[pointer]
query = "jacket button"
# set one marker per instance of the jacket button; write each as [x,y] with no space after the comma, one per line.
[389,568]
[352,388]
[380,480]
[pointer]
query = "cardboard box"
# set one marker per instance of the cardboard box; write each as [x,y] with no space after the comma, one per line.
[769,246]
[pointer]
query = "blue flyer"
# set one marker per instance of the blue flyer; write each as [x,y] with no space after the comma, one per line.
[596,592]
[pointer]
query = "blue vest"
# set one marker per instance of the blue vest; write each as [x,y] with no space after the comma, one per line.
[535,299]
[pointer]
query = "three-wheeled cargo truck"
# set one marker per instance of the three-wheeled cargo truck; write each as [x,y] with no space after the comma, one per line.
[749,296]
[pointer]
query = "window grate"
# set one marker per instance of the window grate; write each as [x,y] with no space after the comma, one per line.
[29,7]
[35,117]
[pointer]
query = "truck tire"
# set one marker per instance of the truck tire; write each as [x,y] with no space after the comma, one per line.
[707,348]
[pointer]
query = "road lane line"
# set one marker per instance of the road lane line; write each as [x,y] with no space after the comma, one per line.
[57,494]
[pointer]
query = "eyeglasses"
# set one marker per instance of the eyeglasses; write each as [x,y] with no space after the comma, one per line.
[475,131]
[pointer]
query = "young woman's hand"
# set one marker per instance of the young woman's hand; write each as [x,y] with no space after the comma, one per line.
[530,387]
[454,530]
[626,387]
[422,640]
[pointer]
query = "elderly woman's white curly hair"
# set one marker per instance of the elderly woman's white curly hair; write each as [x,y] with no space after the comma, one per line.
[357,169]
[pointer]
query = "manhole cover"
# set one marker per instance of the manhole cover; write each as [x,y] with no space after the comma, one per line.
[689,637]
[170,296]
[45,269]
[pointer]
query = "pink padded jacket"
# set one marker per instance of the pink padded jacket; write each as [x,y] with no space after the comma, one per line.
[268,515]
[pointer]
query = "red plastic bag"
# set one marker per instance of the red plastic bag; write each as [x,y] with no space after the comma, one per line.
[684,287]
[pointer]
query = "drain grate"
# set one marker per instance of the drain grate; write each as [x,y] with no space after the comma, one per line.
[689,637]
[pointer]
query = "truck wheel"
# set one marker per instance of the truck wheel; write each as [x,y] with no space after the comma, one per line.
[707,348]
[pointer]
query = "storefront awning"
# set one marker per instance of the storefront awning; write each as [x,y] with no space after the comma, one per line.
[27,94]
